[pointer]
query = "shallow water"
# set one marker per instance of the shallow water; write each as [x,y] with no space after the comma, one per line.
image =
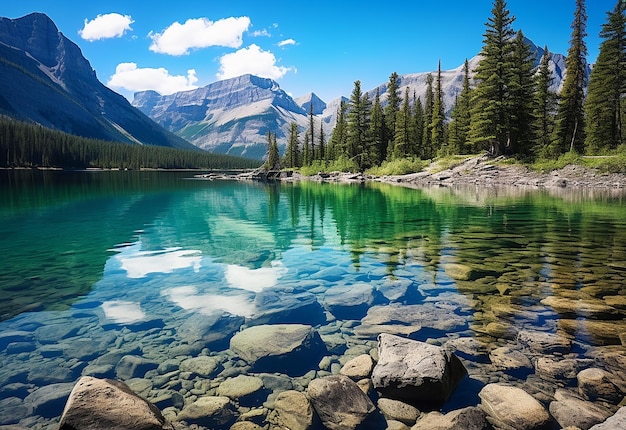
[140,263]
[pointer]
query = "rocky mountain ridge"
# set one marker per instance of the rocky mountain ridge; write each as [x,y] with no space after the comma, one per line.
[46,80]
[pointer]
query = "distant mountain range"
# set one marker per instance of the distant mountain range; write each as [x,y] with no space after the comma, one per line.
[45,79]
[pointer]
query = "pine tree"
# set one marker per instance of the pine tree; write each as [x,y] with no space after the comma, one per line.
[606,96]
[522,93]
[403,120]
[358,125]
[418,126]
[306,150]
[391,109]
[491,108]
[427,150]
[273,162]
[461,116]
[438,118]
[338,139]
[322,143]
[546,102]
[570,124]
[312,132]
[377,131]
[292,154]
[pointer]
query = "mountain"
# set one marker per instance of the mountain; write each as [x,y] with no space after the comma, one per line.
[45,79]
[233,116]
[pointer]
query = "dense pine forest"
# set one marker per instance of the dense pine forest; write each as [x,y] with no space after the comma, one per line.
[506,107]
[28,145]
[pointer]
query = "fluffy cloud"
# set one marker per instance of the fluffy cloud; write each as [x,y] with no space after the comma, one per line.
[129,77]
[286,42]
[106,27]
[251,60]
[178,39]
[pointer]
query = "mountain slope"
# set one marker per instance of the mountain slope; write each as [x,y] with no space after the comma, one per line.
[232,116]
[45,79]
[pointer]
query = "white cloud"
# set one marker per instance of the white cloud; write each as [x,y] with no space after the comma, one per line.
[259,33]
[251,60]
[106,26]
[286,42]
[178,39]
[129,77]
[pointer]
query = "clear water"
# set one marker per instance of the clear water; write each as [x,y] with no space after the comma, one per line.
[100,262]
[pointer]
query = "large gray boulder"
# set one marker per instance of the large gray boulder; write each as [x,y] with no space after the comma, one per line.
[293,349]
[294,410]
[104,404]
[349,302]
[339,402]
[569,411]
[617,421]
[512,407]
[470,418]
[415,371]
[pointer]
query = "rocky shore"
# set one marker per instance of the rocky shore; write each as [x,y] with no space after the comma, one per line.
[486,171]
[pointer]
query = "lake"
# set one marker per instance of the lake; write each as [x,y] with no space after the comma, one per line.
[99,266]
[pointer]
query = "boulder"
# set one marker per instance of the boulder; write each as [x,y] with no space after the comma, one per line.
[213,330]
[512,407]
[544,343]
[415,371]
[339,402]
[247,390]
[294,410]
[396,410]
[293,349]
[359,367]
[617,421]
[133,366]
[287,306]
[210,411]
[595,384]
[470,418]
[101,404]
[203,366]
[48,401]
[507,358]
[349,302]
[574,412]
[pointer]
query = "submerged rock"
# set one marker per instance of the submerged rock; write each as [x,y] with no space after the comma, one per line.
[595,384]
[347,302]
[569,411]
[292,349]
[210,411]
[470,418]
[512,407]
[415,371]
[294,410]
[103,404]
[339,402]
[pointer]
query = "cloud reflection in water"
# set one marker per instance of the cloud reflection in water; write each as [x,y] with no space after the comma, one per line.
[189,298]
[123,312]
[139,264]
[255,280]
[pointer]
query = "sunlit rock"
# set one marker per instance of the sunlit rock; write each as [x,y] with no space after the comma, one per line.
[512,407]
[359,367]
[544,343]
[101,404]
[595,309]
[570,411]
[470,418]
[398,411]
[294,410]
[287,348]
[203,366]
[209,411]
[414,371]
[596,384]
[339,402]
[617,421]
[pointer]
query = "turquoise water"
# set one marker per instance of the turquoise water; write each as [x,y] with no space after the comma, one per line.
[138,262]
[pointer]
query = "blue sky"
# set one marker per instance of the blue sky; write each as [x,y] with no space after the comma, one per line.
[321,46]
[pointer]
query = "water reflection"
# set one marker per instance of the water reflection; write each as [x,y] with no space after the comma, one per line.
[122,312]
[138,263]
[192,299]
[255,280]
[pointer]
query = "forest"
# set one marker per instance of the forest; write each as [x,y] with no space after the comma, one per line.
[506,107]
[30,145]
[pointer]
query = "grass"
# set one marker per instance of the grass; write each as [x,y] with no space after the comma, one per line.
[402,166]
[615,163]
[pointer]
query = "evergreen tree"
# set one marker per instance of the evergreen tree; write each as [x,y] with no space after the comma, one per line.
[391,110]
[522,93]
[570,125]
[292,154]
[545,106]
[438,118]
[403,121]
[491,108]
[418,126]
[273,162]
[338,138]
[358,125]
[306,150]
[377,131]
[322,143]
[606,95]
[312,132]
[427,150]
[461,117]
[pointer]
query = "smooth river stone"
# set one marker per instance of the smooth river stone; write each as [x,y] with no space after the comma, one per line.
[513,407]
[589,308]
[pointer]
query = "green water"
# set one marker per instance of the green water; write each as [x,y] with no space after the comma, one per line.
[100,251]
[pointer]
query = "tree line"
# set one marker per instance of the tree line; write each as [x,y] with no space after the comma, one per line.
[29,145]
[506,106]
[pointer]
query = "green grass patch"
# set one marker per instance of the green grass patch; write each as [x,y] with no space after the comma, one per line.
[615,163]
[402,166]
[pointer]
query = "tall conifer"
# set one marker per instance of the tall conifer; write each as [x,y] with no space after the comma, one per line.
[546,102]
[461,116]
[427,147]
[491,107]
[438,118]
[377,131]
[522,92]
[570,125]
[392,107]
[606,96]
